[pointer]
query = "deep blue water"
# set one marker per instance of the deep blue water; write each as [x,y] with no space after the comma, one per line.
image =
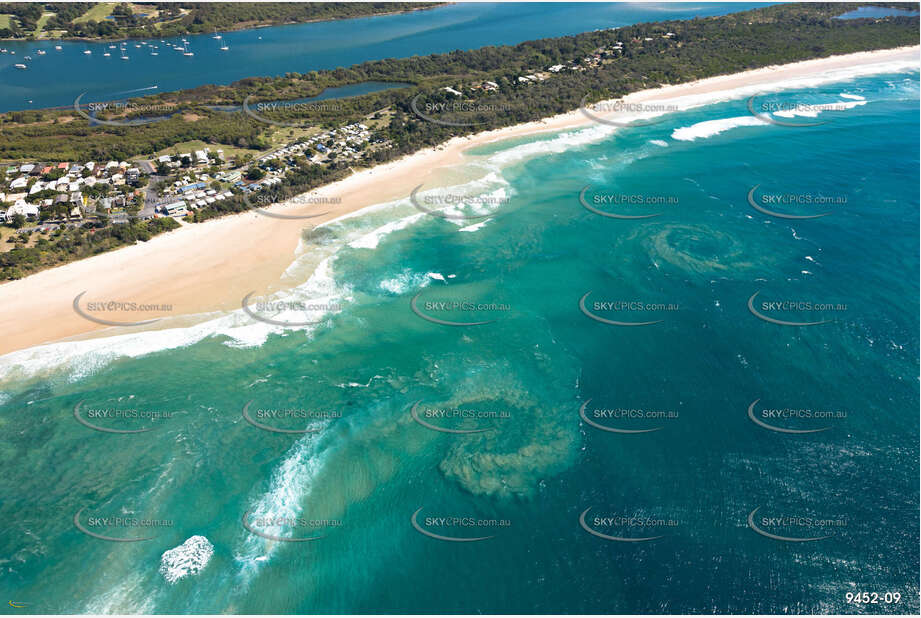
[58,77]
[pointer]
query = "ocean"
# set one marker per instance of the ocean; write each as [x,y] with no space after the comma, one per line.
[514,399]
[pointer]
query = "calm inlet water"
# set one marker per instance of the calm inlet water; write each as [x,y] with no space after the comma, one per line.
[58,77]
[685,505]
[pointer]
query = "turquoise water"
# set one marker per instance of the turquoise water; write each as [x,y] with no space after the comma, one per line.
[369,466]
[58,77]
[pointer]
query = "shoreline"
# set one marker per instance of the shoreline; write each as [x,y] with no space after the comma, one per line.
[209,267]
[77,39]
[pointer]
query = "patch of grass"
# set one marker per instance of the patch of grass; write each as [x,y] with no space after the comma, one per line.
[97,13]
[40,24]
[6,20]
[287,135]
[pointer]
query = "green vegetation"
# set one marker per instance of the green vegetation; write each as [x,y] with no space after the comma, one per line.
[700,48]
[147,19]
[648,58]
[62,246]
[97,12]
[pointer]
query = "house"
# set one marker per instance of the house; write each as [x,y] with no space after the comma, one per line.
[175,209]
[490,86]
[21,207]
[132,174]
[19,183]
[27,168]
[450,90]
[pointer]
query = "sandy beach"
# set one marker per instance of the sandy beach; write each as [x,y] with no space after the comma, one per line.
[211,266]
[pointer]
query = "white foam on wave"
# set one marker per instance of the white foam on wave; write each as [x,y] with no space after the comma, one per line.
[131,596]
[659,142]
[372,239]
[813,113]
[186,559]
[404,282]
[475,226]
[79,359]
[290,485]
[855,97]
[561,142]
[709,128]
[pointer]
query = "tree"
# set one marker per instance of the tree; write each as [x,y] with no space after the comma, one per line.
[255,173]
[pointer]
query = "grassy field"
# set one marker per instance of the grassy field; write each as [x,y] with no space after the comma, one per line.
[287,135]
[97,13]
[5,20]
[40,25]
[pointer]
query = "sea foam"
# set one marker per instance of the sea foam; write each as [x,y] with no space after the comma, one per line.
[187,559]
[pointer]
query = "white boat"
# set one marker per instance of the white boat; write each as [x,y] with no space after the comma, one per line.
[58,48]
[87,52]
[107,54]
[111,47]
[27,57]
[153,53]
[185,50]
[21,66]
[224,47]
[41,52]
